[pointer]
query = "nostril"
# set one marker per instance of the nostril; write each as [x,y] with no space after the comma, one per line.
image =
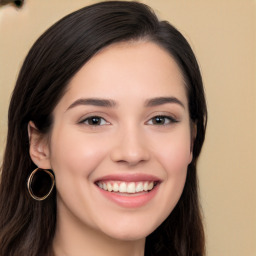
[126,155]
[131,162]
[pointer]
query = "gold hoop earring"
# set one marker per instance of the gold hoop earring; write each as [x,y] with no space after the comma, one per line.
[40,184]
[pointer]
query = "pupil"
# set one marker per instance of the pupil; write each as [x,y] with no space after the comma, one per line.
[95,120]
[159,120]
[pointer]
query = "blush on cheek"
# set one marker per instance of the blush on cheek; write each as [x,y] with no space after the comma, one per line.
[176,158]
[80,162]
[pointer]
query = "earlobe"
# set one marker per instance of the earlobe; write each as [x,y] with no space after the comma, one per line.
[38,147]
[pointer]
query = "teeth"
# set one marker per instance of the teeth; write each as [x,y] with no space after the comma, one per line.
[139,187]
[109,186]
[122,187]
[126,187]
[115,187]
[145,187]
[150,185]
[131,187]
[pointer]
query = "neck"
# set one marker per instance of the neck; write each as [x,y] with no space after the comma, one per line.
[78,240]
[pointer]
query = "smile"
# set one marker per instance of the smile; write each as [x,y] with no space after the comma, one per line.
[126,187]
[129,191]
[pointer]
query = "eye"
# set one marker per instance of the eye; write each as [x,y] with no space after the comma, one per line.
[94,121]
[162,120]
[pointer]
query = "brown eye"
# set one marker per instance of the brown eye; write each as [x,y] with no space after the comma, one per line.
[159,120]
[162,120]
[94,120]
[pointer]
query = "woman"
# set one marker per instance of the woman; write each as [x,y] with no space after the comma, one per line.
[106,123]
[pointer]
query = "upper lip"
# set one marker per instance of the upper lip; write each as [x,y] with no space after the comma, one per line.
[135,177]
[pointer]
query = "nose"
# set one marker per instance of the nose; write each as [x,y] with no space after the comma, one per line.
[130,147]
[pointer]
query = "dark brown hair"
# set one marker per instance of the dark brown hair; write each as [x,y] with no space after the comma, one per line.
[27,226]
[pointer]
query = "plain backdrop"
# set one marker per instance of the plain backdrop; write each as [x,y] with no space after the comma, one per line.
[222,34]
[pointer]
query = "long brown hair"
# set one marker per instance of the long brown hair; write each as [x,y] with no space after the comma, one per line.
[27,226]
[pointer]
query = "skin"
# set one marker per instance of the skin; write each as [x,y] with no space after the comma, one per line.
[126,140]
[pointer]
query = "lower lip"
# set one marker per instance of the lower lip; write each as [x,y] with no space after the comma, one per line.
[130,201]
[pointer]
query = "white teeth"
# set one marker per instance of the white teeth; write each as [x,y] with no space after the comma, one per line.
[150,185]
[115,187]
[131,187]
[109,186]
[122,187]
[145,186]
[126,187]
[139,187]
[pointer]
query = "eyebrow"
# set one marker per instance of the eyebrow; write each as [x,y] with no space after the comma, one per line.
[111,103]
[163,100]
[94,102]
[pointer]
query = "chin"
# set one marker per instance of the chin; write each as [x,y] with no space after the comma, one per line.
[133,235]
[135,230]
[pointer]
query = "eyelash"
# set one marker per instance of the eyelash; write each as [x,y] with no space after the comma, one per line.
[169,120]
[87,120]
[96,119]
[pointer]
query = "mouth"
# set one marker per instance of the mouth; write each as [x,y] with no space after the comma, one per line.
[127,188]
[129,191]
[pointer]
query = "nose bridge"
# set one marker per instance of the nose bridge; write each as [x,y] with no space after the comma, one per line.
[131,145]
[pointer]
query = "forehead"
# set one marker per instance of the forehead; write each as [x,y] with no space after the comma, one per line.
[128,69]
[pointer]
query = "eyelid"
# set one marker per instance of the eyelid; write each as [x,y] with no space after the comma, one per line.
[167,113]
[87,118]
[171,119]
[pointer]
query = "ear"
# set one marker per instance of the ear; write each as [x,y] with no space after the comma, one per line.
[38,147]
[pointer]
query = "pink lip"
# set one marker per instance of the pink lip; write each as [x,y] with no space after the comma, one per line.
[131,200]
[129,177]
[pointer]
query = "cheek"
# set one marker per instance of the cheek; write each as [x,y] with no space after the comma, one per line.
[73,153]
[174,156]
[174,152]
[175,159]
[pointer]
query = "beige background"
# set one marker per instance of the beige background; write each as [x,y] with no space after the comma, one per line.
[223,36]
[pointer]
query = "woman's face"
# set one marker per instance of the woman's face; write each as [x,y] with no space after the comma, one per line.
[120,142]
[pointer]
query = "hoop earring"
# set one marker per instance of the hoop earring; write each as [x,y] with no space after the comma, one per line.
[40,184]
